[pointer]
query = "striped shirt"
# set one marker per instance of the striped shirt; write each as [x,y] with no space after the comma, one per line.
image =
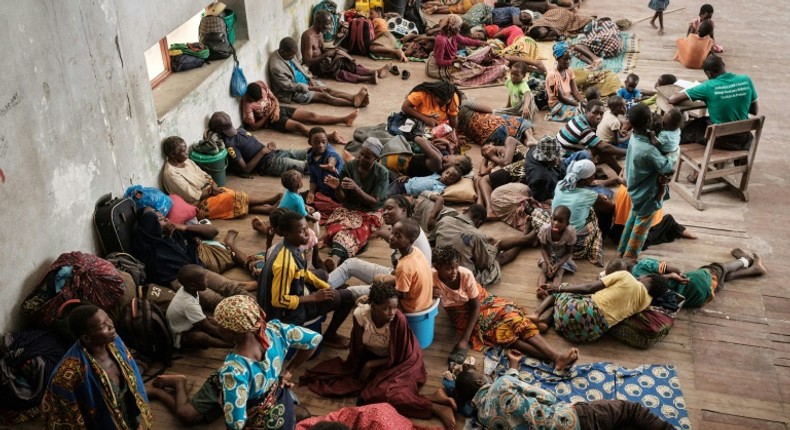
[577,134]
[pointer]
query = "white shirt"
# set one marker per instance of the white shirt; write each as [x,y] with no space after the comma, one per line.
[183,313]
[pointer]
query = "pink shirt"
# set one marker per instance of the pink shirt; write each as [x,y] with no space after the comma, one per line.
[467,289]
[446,49]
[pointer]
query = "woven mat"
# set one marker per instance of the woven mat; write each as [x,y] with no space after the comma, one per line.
[655,386]
[625,62]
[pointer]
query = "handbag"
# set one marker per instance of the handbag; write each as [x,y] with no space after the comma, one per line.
[238,83]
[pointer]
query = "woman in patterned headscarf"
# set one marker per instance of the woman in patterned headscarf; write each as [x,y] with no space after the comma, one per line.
[251,390]
[255,379]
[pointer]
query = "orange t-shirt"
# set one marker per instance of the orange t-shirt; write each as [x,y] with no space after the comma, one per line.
[379,26]
[426,104]
[413,277]
[555,81]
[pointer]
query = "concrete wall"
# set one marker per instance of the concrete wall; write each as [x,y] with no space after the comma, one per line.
[77,117]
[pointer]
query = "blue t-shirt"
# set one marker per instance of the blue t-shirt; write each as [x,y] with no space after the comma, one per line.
[579,200]
[300,77]
[293,202]
[631,97]
[415,186]
[317,174]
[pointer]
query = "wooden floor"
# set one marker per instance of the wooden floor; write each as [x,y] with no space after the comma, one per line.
[733,356]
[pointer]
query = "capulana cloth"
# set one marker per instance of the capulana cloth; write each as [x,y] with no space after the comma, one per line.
[548,149]
[580,169]
[241,314]
[374,145]
[560,48]
[451,21]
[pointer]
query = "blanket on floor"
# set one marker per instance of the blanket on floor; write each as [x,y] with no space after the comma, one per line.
[655,386]
[624,62]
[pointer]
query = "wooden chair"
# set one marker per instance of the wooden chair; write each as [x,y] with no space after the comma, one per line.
[709,163]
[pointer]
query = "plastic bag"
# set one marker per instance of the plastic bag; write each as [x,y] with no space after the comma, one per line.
[144,197]
[238,83]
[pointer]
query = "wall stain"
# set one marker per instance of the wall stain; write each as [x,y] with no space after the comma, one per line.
[15,99]
[2,176]
[46,92]
[3,146]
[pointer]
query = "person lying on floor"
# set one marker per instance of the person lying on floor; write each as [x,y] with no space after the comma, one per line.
[500,156]
[165,248]
[481,254]
[247,154]
[435,183]
[385,363]
[183,177]
[285,280]
[96,384]
[191,328]
[430,161]
[252,388]
[484,319]
[396,209]
[583,313]
[260,109]
[291,83]
[530,406]
[701,285]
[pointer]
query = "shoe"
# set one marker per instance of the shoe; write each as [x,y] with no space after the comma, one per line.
[405,75]
[394,70]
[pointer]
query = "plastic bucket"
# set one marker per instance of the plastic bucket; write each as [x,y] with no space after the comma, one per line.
[314,325]
[230,21]
[213,164]
[422,324]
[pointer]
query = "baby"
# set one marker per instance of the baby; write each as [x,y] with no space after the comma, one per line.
[668,141]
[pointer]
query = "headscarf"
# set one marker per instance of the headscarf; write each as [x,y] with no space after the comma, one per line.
[241,314]
[374,145]
[491,30]
[580,169]
[548,149]
[560,48]
[451,21]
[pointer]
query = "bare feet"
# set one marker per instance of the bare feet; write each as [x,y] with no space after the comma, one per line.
[441,397]
[757,263]
[382,72]
[367,97]
[661,31]
[330,264]
[563,361]
[163,381]
[337,341]
[230,237]
[349,121]
[542,291]
[739,253]
[403,57]
[335,137]
[446,415]
[597,63]
[359,98]
[688,234]
[653,24]
[260,226]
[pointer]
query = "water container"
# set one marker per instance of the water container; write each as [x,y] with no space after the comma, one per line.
[422,324]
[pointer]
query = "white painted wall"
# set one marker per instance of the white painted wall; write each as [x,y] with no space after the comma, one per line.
[77,118]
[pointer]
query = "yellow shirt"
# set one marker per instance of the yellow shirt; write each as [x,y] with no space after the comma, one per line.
[622,297]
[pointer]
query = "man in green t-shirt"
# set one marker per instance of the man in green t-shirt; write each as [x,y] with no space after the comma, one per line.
[728,97]
[699,286]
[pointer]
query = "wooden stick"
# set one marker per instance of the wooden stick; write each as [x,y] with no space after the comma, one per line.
[650,16]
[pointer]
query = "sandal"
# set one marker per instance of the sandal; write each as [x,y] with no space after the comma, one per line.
[394,70]
[457,356]
[405,75]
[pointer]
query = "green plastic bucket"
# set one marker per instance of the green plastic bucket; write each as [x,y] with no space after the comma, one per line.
[213,164]
[230,21]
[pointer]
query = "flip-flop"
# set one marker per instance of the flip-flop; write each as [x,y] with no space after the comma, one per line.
[394,70]
[405,75]
[457,356]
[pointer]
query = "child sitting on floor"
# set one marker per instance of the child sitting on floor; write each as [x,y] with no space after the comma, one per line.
[556,247]
[519,98]
[629,91]
[705,14]
[293,201]
[435,183]
[188,323]
[668,141]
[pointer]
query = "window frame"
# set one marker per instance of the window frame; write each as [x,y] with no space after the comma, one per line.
[164,49]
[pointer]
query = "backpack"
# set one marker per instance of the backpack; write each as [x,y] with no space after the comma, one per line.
[194,49]
[413,13]
[184,62]
[331,7]
[360,34]
[144,327]
[127,263]
[213,34]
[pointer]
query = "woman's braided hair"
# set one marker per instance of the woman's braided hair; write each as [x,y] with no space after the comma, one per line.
[403,203]
[442,90]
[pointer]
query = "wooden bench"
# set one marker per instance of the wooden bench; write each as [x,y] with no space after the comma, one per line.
[712,164]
